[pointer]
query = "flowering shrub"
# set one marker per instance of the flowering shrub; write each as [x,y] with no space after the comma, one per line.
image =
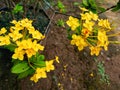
[24,41]
[89,31]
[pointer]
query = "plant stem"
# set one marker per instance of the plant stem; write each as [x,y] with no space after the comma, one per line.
[115,42]
[112,35]
[31,65]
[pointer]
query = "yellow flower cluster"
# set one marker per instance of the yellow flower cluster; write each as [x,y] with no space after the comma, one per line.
[28,47]
[78,41]
[24,36]
[73,23]
[92,31]
[41,72]
[25,40]
[4,39]
[25,27]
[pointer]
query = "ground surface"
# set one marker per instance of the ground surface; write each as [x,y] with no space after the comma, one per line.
[73,71]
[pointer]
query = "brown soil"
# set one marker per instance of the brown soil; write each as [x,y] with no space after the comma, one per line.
[73,71]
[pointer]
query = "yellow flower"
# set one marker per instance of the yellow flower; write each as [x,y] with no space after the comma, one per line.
[40,47]
[22,24]
[34,78]
[95,50]
[57,59]
[3,31]
[59,84]
[104,23]
[29,47]
[31,30]
[86,16]
[18,54]
[30,52]
[102,39]
[91,74]
[89,25]
[78,41]
[94,16]
[49,65]
[37,46]
[15,35]
[40,73]
[14,22]
[17,26]
[102,36]
[37,35]
[106,45]
[26,23]
[73,23]
[22,45]
[83,9]
[25,44]
[85,32]
[4,40]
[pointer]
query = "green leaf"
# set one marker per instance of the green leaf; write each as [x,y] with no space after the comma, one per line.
[85,2]
[20,67]
[68,30]
[92,3]
[30,71]
[37,54]
[40,58]
[18,8]
[60,5]
[40,64]
[32,59]
[93,10]
[60,23]
[102,9]
[78,30]
[117,7]
[69,37]
[16,61]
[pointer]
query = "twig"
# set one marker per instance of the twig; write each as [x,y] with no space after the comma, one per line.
[13,3]
[35,6]
[47,31]
[7,3]
[57,12]
[10,6]
[107,9]
[47,28]
[25,9]
[49,6]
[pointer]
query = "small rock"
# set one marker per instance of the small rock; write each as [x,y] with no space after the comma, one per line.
[108,59]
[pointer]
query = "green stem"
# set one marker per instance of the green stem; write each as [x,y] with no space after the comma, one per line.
[30,64]
[14,44]
[91,42]
[115,42]
[112,35]
[92,36]
[24,32]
